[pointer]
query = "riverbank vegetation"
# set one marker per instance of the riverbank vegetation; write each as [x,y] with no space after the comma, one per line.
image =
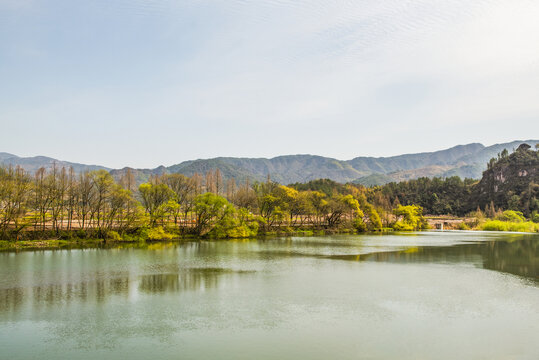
[505,199]
[60,204]
[508,220]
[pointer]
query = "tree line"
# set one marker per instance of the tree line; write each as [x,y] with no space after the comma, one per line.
[93,203]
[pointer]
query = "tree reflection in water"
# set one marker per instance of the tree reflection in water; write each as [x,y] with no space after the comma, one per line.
[519,256]
[42,297]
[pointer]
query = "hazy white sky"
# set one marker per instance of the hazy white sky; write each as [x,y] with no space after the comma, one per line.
[150,82]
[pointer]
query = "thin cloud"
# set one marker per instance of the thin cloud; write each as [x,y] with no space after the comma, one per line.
[203,78]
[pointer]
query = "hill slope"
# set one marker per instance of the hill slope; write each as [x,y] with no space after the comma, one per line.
[463,160]
[511,182]
[33,163]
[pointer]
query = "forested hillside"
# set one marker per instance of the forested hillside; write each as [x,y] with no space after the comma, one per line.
[511,181]
[32,164]
[465,161]
[462,160]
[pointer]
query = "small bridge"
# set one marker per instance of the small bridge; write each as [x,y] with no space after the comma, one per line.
[444,223]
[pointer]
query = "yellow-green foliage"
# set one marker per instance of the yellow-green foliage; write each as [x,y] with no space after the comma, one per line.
[113,235]
[235,224]
[512,216]
[48,204]
[510,220]
[359,225]
[242,231]
[214,214]
[158,233]
[498,225]
[402,226]
[464,226]
[374,218]
[235,227]
[410,218]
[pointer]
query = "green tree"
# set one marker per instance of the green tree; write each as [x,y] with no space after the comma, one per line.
[513,216]
[514,202]
[154,196]
[339,206]
[410,217]
[211,210]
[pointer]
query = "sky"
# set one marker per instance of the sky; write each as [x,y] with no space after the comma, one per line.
[148,82]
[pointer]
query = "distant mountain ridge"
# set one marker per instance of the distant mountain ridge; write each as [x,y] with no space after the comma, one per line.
[33,163]
[462,160]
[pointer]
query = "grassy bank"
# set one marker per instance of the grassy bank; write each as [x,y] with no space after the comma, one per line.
[498,225]
[6,245]
[142,237]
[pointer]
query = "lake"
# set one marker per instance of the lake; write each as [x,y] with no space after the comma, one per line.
[426,295]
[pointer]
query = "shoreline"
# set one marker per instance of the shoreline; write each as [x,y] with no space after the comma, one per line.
[78,243]
[68,244]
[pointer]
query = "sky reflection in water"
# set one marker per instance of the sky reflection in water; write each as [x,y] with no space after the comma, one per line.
[426,294]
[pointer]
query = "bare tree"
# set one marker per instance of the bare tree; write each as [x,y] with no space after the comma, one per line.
[210,181]
[230,188]
[218,180]
[86,194]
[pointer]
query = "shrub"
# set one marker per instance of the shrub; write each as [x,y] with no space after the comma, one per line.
[230,227]
[65,235]
[113,235]
[402,226]
[497,225]
[139,234]
[242,231]
[158,233]
[359,225]
[410,218]
[463,226]
[514,216]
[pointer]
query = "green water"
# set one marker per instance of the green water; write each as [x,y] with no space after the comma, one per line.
[450,295]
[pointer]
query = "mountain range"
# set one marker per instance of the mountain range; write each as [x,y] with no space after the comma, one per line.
[463,160]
